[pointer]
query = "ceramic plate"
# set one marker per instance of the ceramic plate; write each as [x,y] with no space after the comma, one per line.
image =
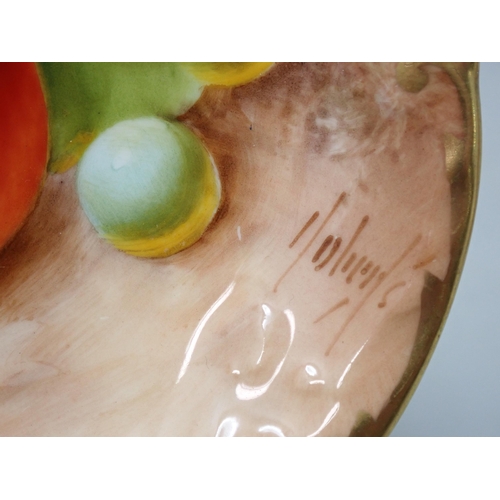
[228,249]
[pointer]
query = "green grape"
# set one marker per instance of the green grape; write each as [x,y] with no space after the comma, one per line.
[148,186]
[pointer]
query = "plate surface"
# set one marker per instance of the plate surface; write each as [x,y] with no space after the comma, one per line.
[311,302]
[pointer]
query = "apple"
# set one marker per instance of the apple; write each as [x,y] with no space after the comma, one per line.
[23,144]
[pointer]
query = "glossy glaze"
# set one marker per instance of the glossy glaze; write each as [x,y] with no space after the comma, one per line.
[278,321]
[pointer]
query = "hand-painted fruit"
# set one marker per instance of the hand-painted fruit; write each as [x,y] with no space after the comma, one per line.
[148,186]
[227,73]
[23,144]
[87,98]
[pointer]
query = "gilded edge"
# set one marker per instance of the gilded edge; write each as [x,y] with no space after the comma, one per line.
[437,296]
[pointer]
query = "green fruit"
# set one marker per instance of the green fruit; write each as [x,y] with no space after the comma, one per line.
[84,99]
[148,186]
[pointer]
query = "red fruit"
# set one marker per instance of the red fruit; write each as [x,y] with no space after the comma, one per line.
[23,144]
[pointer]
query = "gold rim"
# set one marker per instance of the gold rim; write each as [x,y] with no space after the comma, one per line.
[437,296]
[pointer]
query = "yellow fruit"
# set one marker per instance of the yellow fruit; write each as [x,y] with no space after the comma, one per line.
[227,73]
